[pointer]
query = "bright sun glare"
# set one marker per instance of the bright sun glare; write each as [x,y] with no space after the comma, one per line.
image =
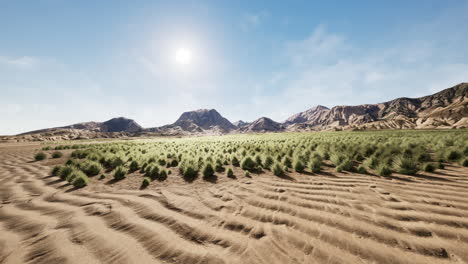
[183,56]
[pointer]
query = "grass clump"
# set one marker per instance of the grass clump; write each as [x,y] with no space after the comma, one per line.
[315,165]
[277,169]
[80,179]
[208,171]
[40,156]
[146,181]
[248,163]
[428,167]
[361,169]
[405,165]
[230,173]
[298,166]
[57,154]
[91,168]
[56,170]
[383,170]
[120,173]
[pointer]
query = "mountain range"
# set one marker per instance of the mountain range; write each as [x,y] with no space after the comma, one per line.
[445,109]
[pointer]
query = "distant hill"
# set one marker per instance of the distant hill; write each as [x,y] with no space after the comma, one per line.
[263,124]
[202,121]
[445,109]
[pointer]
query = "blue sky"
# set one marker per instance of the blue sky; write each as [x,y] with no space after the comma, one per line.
[63,62]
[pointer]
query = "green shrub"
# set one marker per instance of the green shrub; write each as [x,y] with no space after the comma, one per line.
[235,161]
[120,173]
[146,181]
[453,155]
[248,163]
[315,165]
[57,154]
[219,167]
[230,173]
[134,166]
[440,166]
[40,156]
[287,161]
[208,170]
[337,159]
[174,163]
[405,165]
[298,166]
[428,167]
[267,162]
[464,162]
[56,170]
[383,170]
[346,164]
[277,169]
[80,180]
[162,175]
[66,171]
[102,177]
[372,162]
[75,173]
[188,169]
[91,168]
[247,174]
[362,169]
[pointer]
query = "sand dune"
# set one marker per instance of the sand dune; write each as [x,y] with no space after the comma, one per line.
[324,218]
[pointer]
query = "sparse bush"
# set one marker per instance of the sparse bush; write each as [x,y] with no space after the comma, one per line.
[230,173]
[277,169]
[91,168]
[235,161]
[247,174]
[298,166]
[440,166]
[102,177]
[362,169]
[219,167]
[162,175]
[287,161]
[208,171]
[134,166]
[120,173]
[383,170]
[248,164]
[315,165]
[405,165]
[80,180]
[66,171]
[57,154]
[146,181]
[464,162]
[267,162]
[56,170]
[428,167]
[40,156]
[453,155]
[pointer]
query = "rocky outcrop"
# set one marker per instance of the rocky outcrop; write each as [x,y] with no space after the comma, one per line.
[263,124]
[202,121]
[445,109]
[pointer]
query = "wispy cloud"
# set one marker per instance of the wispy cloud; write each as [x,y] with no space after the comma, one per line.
[250,21]
[24,62]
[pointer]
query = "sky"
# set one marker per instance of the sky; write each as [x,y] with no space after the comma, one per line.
[64,62]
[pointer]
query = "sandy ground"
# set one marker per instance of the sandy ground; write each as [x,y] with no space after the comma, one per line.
[325,218]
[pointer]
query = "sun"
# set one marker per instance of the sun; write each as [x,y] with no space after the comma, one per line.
[183,56]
